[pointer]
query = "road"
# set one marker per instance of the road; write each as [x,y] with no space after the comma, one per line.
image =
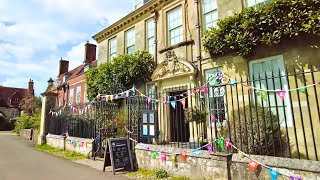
[20,161]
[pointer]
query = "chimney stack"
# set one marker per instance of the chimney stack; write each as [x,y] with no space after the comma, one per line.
[31,87]
[90,52]
[63,67]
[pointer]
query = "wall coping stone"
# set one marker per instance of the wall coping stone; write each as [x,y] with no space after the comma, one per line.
[55,136]
[281,162]
[78,139]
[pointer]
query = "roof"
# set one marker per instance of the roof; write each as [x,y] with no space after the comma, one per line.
[7,93]
[79,70]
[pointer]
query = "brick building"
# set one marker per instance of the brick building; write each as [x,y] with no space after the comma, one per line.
[10,98]
[70,85]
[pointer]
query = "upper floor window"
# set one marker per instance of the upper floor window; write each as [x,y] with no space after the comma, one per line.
[175,31]
[112,48]
[210,13]
[78,94]
[253,3]
[130,41]
[150,36]
[71,91]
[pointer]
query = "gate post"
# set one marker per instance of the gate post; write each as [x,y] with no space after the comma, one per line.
[48,102]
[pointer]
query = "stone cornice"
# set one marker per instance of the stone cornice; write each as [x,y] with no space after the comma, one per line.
[127,20]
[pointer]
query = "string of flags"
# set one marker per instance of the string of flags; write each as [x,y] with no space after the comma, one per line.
[223,144]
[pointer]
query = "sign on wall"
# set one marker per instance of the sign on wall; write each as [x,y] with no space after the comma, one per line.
[149,124]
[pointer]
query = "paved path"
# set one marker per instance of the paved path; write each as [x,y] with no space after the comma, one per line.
[20,161]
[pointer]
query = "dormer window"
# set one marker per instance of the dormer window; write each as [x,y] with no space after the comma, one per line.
[65,78]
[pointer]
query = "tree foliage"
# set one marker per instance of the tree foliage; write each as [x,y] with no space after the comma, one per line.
[125,69]
[266,25]
[30,104]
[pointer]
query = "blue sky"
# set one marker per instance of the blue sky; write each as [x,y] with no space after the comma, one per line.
[35,34]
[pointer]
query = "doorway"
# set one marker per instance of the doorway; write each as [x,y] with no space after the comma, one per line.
[179,128]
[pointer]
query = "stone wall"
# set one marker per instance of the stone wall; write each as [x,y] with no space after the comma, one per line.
[80,145]
[222,166]
[30,134]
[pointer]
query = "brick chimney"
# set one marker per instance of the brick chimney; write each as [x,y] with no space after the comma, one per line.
[31,87]
[90,52]
[63,67]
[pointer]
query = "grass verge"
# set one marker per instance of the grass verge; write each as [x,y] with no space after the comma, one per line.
[60,152]
[149,174]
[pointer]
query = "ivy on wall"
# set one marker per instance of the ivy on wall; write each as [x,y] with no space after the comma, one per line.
[266,25]
[124,69]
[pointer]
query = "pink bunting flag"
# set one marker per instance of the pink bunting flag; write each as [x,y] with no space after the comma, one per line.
[183,102]
[209,147]
[149,100]
[228,144]
[81,144]
[281,94]
[204,90]
[213,118]
[163,157]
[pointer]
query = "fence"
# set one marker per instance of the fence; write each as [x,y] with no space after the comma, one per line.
[248,111]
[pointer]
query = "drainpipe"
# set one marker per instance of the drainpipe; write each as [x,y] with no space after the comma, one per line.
[155,20]
[198,28]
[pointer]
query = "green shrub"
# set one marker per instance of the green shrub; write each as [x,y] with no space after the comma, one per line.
[265,25]
[122,123]
[26,121]
[195,115]
[265,132]
[161,173]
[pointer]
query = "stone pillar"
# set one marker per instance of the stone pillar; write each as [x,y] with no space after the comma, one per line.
[48,102]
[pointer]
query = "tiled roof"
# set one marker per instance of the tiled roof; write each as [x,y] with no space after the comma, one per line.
[77,71]
[10,92]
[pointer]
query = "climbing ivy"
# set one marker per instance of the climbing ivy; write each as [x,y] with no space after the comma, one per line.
[125,69]
[265,25]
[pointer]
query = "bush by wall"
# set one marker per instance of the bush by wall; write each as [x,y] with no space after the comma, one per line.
[265,25]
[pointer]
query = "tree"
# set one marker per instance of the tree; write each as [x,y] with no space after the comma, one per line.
[29,105]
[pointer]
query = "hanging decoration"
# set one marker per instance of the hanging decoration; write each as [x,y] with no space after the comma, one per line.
[281,94]
[213,118]
[302,90]
[163,157]
[183,102]
[154,154]
[263,94]
[253,165]
[273,174]
[228,144]
[221,143]
[184,156]
[210,149]
[173,104]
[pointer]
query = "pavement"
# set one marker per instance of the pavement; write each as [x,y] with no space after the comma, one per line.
[20,161]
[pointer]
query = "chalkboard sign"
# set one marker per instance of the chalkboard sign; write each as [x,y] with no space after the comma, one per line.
[120,154]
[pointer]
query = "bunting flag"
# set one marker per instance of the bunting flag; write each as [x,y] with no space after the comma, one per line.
[220,75]
[133,89]
[163,157]
[184,156]
[204,90]
[281,94]
[111,97]
[213,118]
[183,102]
[233,82]
[127,93]
[295,178]
[154,154]
[149,100]
[302,90]
[228,144]
[209,148]
[173,104]
[213,81]
[263,94]
[221,143]
[273,174]
[196,152]
[116,96]
[240,154]
[250,89]
[253,165]
[173,158]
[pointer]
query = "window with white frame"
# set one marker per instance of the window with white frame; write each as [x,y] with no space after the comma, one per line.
[269,74]
[254,3]
[78,95]
[150,46]
[210,13]
[175,31]
[71,91]
[112,48]
[130,41]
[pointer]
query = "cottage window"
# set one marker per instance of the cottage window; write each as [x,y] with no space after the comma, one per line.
[210,13]
[175,31]
[78,97]
[130,41]
[255,3]
[268,73]
[112,48]
[150,36]
[71,91]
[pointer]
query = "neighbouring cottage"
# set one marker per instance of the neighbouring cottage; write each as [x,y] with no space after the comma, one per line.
[70,85]
[10,98]
[173,32]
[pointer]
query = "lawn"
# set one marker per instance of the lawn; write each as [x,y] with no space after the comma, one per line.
[71,155]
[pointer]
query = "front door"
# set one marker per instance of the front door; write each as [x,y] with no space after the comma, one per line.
[179,127]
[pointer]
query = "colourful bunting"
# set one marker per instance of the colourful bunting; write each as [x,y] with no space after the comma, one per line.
[221,143]
[154,154]
[228,144]
[133,89]
[147,148]
[196,152]
[213,81]
[173,158]
[233,82]
[213,118]
[281,94]
[209,148]
[183,102]
[116,96]
[253,165]
[204,90]
[273,174]
[220,75]
[149,100]
[173,104]
[263,94]
[184,156]
[127,93]
[302,90]
[250,89]
[163,157]
[240,154]
[295,178]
